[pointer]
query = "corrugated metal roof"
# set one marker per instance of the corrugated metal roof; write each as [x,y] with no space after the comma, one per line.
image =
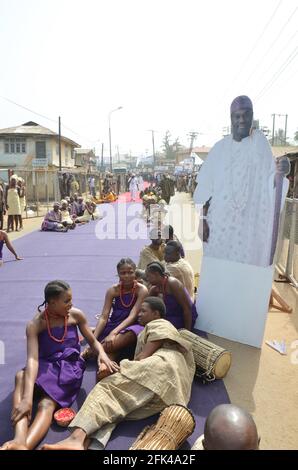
[83,151]
[32,129]
[284,150]
[201,149]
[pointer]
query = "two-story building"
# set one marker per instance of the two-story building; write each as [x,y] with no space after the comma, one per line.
[85,158]
[31,145]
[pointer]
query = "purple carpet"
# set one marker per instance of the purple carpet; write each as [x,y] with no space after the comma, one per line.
[89,265]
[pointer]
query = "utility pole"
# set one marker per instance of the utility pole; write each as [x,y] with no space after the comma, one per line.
[286,123]
[193,136]
[59,143]
[101,157]
[153,146]
[285,131]
[273,129]
[118,154]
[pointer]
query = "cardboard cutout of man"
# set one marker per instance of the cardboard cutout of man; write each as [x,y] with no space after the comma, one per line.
[236,186]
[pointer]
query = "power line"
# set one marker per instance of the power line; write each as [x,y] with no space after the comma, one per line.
[257,41]
[239,71]
[271,82]
[271,45]
[280,53]
[45,117]
[27,109]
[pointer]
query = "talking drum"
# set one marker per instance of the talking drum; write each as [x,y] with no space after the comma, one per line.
[175,424]
[212,361]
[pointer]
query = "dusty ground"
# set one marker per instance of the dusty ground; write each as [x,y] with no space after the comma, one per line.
[262,381]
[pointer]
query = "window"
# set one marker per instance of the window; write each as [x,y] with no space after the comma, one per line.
[40,149]
[66,151]
[15,145]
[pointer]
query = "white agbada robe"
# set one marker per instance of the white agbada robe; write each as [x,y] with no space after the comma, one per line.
[133,188]
[141,183]
[236,278]
[239,177]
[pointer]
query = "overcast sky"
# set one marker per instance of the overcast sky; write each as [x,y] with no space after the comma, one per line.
[171,64]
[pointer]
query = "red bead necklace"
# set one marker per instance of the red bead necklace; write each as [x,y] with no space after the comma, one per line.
[134,289]
[49,329]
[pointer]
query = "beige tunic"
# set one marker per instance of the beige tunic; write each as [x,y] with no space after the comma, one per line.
[141,388]
[183,271]
[148,255]
[13,202]
[170,370]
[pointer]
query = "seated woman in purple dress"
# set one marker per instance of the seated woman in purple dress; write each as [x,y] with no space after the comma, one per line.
[181,311]
[120,329]
[54,368]
[53,220]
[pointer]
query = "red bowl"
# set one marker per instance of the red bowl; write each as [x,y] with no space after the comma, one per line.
[64,416]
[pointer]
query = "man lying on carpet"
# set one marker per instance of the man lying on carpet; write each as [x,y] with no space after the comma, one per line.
[54,369]
[228,427]
[120,329]
[160,375]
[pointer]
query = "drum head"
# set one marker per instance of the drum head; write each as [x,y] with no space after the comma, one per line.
[223,365]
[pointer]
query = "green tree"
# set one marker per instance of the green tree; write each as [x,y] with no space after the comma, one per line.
[170,149]
[296,136]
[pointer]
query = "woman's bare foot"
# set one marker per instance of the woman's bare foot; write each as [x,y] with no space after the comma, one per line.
[71,443]
[13,445]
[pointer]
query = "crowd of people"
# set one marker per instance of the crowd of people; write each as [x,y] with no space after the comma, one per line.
[138,324]
[70,212]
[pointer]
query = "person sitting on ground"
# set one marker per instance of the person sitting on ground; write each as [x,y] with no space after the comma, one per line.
[120,329]
[96,215]
[181,310]
[88,213]
[178,267]
[152,252]
[80,205]
[65,215]
[73,209]
[169,235]
[160,375]
[5,240]
[54,368]
[53,220]
[228,427]
[109,197]
[157,214]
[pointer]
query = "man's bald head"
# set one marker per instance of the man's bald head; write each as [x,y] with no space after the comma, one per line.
[229,427]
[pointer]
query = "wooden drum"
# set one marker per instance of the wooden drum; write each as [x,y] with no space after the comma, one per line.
[175,424]
[212,361]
